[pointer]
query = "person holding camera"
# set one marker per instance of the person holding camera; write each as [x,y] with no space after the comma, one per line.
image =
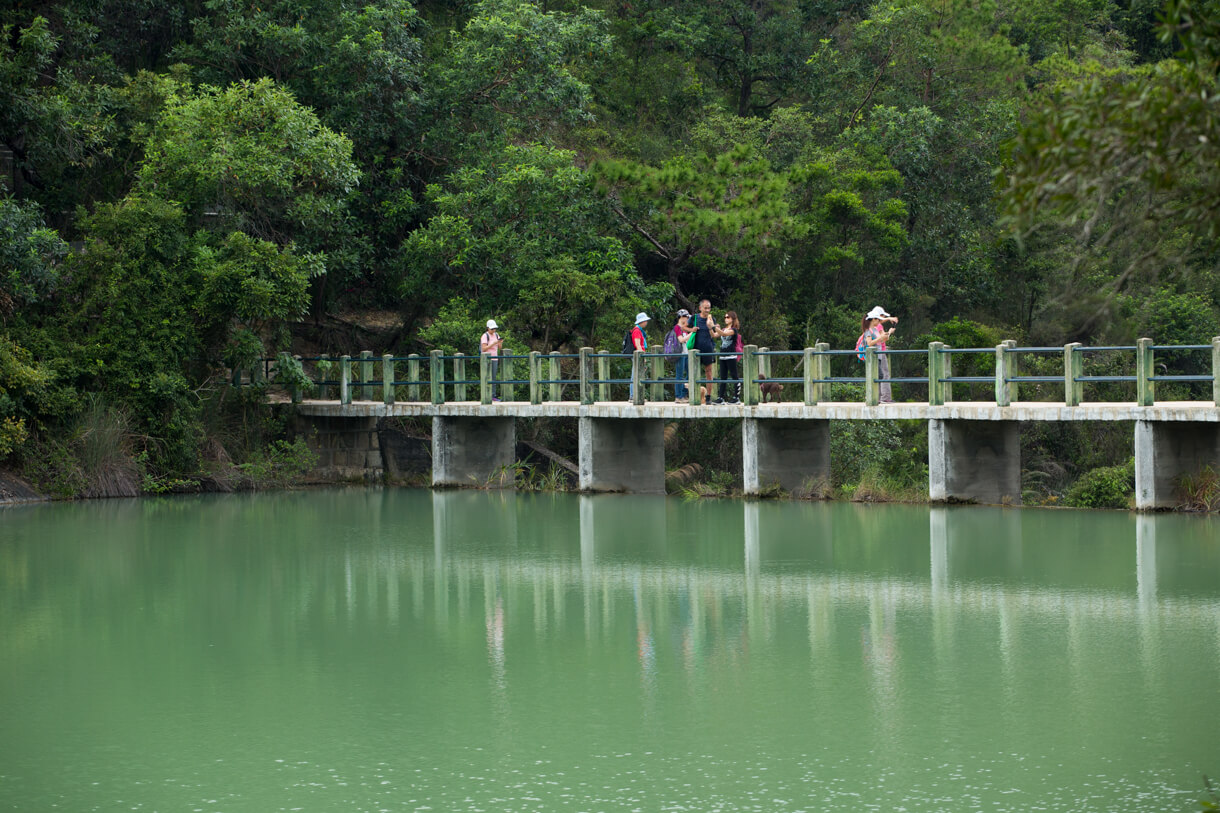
[874,334]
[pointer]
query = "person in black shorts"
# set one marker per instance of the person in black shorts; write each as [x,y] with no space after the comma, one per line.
[704,324]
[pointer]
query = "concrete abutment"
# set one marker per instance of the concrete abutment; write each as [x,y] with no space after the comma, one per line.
[974,461]
[1167,451]
[473,451]
[791,453]
[622,454]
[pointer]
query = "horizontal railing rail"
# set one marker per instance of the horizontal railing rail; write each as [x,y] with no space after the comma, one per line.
[601,376]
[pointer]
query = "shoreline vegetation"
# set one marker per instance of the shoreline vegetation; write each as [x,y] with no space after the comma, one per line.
[189,188]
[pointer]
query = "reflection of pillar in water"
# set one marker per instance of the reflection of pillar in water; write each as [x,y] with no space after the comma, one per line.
[586,564]
[753,566]
[1145,558]
[586,535]
[442,531]
[348,589]
[754,614]
[938,518]
[943,617]
[1146,588]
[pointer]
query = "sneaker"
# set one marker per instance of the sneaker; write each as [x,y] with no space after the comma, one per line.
[495,400]
[719,402]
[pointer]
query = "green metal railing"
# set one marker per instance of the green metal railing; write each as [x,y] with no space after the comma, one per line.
[602,377]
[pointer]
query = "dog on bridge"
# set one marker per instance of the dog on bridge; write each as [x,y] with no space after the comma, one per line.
[770,390]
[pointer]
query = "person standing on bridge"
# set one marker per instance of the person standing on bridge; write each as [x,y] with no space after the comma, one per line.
[874,334]
[730,346]
[704,326]
[675,345]
[490,345]
[639,341]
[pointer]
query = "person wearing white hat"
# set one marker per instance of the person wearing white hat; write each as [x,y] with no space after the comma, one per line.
[489,345]
[874,334]
[639,341]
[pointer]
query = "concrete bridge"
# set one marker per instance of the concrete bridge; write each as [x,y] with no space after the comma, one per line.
[974,446]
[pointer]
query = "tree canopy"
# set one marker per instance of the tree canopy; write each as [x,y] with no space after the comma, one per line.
[186,185]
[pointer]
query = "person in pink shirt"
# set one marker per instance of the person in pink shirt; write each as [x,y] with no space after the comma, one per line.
[874,334]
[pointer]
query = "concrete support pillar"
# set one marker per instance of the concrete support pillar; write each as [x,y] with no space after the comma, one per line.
[347,448]
[622,454]
[1167,450]
[793,453]
[974,461]
[469,451]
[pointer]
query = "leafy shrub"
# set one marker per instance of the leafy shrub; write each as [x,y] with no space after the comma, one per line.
[280,464]
[1105,487]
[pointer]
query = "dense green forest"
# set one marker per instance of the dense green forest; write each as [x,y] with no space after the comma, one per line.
[189,186]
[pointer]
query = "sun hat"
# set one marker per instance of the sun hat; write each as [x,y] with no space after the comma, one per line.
[683,312]
[641,317]
[491,324]
[878,313]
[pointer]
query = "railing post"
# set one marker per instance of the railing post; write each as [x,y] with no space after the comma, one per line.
[1073,369]
[808,365]
[345,379]
[555,375]
[236,380]
[872,390]
[656,371]
[484,378]
[751,394]
[603,373]
[366,374]
[586,375]
[535,376]
[459,374]
[324,369]
[936,371]
[1216,370]
[1011,371]
[948,368]
[436,371]
[413,377]
[1005,368]
[1145,387]
[387,379]
[693,371]
[821,391]
[637,377]
[295,392]
[508,392]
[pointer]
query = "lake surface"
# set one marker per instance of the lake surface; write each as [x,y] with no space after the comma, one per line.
[403,650]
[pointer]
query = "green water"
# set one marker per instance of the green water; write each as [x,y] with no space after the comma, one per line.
[399,650]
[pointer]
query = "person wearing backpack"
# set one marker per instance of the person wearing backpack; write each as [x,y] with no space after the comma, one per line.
[873,334]
[490,344]
[636,339]
[675,345]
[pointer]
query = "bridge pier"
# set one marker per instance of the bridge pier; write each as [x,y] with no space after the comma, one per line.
[346,447]
[1167,450]
[622,454]
[974,461]
[793,453]
[470,451]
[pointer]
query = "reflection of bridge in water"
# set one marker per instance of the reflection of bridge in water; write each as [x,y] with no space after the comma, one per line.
[962,611]
[604,581]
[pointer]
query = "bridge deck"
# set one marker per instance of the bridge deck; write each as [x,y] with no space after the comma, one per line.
[1194,411]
